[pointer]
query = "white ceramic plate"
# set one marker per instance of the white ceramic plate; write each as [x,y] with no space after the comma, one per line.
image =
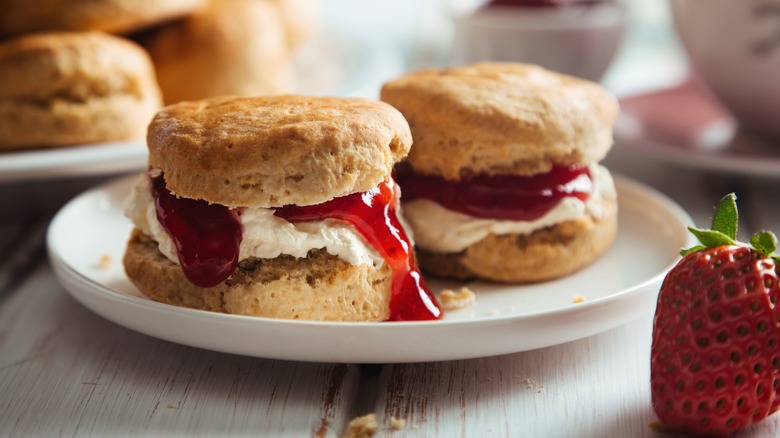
[685,126]
[86,241]
[73,161]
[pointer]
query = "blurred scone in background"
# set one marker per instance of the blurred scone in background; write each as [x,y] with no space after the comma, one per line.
[67,82]
[229,47]
[65,88]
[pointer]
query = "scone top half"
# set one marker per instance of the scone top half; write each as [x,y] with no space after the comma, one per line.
[276,150]
[501,118]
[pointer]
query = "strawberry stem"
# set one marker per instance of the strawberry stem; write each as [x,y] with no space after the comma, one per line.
[724,232]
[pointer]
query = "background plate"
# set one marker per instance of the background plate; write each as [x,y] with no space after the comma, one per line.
[87,237]
[73,161]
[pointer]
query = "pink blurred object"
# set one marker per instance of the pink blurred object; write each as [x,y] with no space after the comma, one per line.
[687,115]
[686,125]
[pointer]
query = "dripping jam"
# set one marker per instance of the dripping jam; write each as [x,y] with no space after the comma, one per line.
[373,214]
[503,197]
[207,238]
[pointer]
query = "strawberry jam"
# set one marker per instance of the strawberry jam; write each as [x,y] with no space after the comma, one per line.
[505,197]
[372,213]
[207,236]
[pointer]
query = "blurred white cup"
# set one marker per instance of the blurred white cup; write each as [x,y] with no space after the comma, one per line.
[580,40]
[734,46]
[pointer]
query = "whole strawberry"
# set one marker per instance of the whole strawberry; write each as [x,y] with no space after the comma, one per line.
[715,358]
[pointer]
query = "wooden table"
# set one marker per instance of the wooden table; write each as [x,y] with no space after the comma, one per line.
[65,371]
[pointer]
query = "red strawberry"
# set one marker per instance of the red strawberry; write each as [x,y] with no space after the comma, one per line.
[715,359]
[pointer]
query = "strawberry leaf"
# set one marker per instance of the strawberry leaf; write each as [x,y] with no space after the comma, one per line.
[685,252]
[726,218]
[764,242]
[711,238]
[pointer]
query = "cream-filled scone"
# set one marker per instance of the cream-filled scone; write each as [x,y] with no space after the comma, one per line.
[503,182]
[277,206]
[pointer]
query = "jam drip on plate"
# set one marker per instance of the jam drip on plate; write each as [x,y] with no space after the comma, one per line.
[207,236]
[505,197]
[372,213]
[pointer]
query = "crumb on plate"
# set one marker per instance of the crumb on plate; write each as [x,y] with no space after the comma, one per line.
[452,300]
[104,262]
[578,299]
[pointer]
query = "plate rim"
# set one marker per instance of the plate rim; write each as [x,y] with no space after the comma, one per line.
[82,160]
[68,274]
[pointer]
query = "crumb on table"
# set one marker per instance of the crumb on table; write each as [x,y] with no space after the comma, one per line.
[362,427]
[578,299]
[452,300]
[658,426]
[397,423]
[104,262]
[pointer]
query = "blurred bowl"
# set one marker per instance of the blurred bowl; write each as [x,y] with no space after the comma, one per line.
[734,46]
[580,40]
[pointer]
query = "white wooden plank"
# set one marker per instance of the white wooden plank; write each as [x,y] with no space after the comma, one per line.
[596,387]
[66,371]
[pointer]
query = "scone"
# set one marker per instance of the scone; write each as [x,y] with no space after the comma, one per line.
[230,47]
[301,19]
[113,16]
[279,207]
[503,182]
[66,88]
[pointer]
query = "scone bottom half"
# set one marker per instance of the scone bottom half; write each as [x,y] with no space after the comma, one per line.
[338,259]
[503,182]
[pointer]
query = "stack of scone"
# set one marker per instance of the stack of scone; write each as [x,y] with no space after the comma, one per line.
[65,81]
[72,71]
[279,207]
[503,182]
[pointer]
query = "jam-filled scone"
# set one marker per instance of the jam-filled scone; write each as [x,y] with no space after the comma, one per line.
[503,181]
[279,207]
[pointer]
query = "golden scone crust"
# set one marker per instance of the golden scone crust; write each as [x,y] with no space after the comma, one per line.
[113,16]
[320,287]
[501,118]
[276,150]
[65,88]
[545,254]
[230,47]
